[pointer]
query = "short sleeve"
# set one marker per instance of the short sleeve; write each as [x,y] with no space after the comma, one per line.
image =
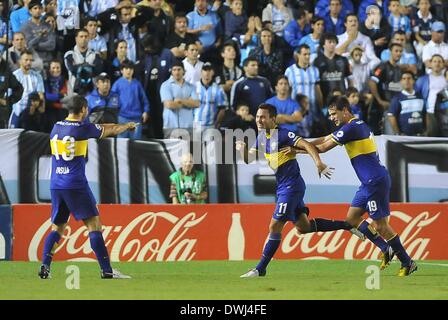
[165,92]
[93,130]
[343,135]
[394,108]
[288,138]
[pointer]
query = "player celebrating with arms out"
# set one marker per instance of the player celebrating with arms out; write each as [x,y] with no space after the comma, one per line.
[290,185]
[70,191]
[373,195]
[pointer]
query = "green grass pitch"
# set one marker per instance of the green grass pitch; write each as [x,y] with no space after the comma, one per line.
[286,279]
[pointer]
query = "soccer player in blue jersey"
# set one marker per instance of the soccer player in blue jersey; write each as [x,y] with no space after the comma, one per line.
[290,185]
[70,192]
[373,195]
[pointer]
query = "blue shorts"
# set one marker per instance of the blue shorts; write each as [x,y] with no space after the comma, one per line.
[374,198]
[289,206]
[80,202]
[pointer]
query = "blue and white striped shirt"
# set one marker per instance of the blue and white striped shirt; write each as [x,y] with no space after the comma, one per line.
[303,81]
[402,23]
[31,82]
[211,98]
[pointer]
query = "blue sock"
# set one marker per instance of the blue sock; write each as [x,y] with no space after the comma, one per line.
[269,250]
[98,246]
[49,247]
[399,250]
[319,224]
[373,235]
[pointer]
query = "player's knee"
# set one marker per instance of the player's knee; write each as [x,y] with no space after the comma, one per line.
[303,228]
[59,228]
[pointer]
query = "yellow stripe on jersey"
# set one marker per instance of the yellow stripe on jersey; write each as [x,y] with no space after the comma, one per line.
[79,147]
[359,147]
[277,159]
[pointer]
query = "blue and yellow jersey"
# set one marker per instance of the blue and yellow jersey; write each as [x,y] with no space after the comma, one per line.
[68,141]
[361,149]
[286,168]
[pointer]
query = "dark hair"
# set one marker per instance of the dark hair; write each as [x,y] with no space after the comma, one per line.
[229,43]
[81,30]
[436,55]
[271,109]
[407,72]
[340,102]
[394,44]
[280,77]
[302,46]
[246,62]
[267,30]
[241,104]
[180,15]
[349,15]
[350,91]
[127,64]
[298,14]
[316,19]
[400,32]
[88,19]
[300,98]
[190,44]
[118,42]
[76,103]
[327,36]
[177,64]
[26,51]
[34,96]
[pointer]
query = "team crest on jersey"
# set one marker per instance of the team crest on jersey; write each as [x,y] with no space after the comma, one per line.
[340,134]
[291,135]
[98,127]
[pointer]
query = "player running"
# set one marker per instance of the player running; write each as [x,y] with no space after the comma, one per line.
[70,191]
[290,185]
[373,194]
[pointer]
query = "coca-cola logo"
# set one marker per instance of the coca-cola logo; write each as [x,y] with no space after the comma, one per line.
[321,245]
[137,241]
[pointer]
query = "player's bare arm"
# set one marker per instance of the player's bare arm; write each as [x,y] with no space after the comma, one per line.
[111,129]
[312,150]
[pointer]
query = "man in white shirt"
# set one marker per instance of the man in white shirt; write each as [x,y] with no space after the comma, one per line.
[436,45]
[352,37]
[192,64]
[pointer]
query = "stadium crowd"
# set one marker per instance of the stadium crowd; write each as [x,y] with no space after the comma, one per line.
[171,64]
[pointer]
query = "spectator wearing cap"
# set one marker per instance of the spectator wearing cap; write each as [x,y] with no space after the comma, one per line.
[213,100]
[55,90]
[179,39]
[296,29]
[436,45]
[279,15]
[382,4]
[334,19]
[377,28]
[134,105]
[20,16]
[421,24]
[39,35]
[179,100]
[103,104]
[353,37]
[97,43]
[192,64]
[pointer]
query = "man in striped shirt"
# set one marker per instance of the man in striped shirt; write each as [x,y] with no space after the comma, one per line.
[304,79]
[212,98]
[31,81]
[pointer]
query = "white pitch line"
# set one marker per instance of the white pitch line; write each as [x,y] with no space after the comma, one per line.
[433,264]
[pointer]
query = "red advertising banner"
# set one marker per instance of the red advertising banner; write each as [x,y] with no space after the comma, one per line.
[222,232]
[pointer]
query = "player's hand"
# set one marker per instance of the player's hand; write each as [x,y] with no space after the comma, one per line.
[133,125]
[240,145]
[325,170]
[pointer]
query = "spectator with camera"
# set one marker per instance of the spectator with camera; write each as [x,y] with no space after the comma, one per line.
[103,104]
[188,185]
[82,64]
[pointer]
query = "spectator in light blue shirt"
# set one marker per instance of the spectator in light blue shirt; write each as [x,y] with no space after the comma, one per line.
[97,43]
[134,105]
[20,16]
[297,29]
[179,99]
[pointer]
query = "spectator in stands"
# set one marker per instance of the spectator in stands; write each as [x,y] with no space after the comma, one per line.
[441,111]
[398,21]
[323,8]
[313,39]
[14,53]
[68,22]
[99,6]
[252,88]
[408,61]
[207,25]
[436,45]
[407,112]
[20,16]
[82,64]
[251,38]
[55,90]
[352,37]
[97,43]
[376,28]
[33,117]
[279,15]
[188,185]
[382,4]
[134,105]
[228,72]
[155,20]
[304,79]
[179,99]
[192,64]
[270,60]
[235,23]
[288,110]
[103,104]
[384,84]
[50,8]
[304,127]
[121,54]
[239,119]
[429,85]
[31,81]
[421,23]
[5,30]
[39,34]
[11,91]
[334,70]
[213,100]
[179,39]
[360,70]
[334,20]
[353,98]
[296,29]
